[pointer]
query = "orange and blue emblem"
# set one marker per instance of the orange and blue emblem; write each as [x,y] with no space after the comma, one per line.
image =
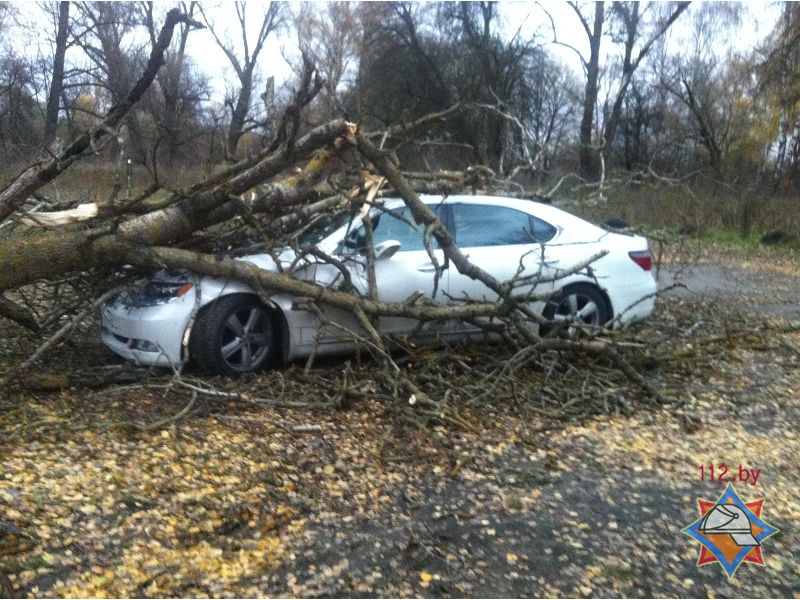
[731,531]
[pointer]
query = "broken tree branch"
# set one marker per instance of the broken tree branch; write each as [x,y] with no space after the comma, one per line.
[17,192]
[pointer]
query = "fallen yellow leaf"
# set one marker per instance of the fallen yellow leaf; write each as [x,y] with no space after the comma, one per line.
[425,578]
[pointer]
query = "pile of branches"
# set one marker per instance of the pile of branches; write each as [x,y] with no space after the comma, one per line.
[302,175]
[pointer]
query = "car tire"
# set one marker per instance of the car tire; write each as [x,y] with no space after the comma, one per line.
[582,302]
[233,335]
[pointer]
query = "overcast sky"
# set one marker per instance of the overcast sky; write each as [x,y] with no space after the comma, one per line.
[529,18]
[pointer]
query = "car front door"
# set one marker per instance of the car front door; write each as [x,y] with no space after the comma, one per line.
[408,271]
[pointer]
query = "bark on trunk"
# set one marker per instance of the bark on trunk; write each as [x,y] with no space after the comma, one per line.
[57,82]
[587,153]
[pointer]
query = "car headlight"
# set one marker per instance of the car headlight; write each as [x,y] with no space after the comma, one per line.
[159,292]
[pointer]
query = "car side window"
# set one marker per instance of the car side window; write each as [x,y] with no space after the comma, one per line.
[396,225]
[486,225]
[541,231]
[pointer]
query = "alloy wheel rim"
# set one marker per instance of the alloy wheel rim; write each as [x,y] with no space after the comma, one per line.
[245,339]
[579,309]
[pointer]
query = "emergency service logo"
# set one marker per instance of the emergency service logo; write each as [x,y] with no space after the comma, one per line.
[730,531]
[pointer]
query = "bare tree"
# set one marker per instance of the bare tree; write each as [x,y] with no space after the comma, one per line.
[18,108]
[780,79]
[57,79]
[630,16]
[101,31]
[329,36]
[594,34]
[244,65]
[179,90]
[707,88]
[633,30]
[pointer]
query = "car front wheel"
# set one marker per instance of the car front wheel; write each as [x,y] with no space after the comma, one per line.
[235,334]
[578,307]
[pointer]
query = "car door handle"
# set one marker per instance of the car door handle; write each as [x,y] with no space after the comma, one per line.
[427,268]
[549,263]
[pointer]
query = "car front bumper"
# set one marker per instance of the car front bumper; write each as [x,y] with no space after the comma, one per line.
[147,335]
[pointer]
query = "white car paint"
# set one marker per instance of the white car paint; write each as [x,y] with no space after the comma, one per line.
[157,335]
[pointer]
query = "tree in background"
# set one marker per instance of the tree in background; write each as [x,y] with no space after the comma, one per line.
[586,153]
[329,35]
[637,35]
[20,128]
[636,27]
[102,30]
[710,91]
[243,57]
[492,73]
[57,78]
[418,59]
[174,104]
[691,114]
[20,131]
[543,122]
[780,73]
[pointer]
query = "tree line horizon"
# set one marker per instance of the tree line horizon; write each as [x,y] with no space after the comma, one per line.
[639,106]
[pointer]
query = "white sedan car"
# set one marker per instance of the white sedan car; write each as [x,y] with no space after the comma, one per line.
[223,327]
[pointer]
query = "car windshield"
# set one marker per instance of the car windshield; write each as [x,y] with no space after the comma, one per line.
[322,228]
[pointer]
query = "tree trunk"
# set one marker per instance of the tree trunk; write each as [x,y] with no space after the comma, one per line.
[57,82]
[239,114]
[587,153]
[27,259]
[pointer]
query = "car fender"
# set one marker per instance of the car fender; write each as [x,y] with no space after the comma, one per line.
[212,289]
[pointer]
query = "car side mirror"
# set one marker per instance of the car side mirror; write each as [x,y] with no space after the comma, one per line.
[387,249]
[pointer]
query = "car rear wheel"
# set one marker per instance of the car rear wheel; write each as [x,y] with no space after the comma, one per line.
[577,308]
[235,334]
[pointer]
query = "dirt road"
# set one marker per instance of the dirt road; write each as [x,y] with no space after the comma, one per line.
[752,289]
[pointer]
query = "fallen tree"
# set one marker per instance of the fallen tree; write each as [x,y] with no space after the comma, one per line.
[295,179]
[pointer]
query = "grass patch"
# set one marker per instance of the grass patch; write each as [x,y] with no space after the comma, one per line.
[94,180]
[744,216]
[724,237]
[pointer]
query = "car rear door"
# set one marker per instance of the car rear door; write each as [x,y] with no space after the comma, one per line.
[504,242]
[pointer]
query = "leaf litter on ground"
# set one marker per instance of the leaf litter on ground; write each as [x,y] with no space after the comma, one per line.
[557,483]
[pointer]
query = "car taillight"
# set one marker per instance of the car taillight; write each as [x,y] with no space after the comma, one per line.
[643,258]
